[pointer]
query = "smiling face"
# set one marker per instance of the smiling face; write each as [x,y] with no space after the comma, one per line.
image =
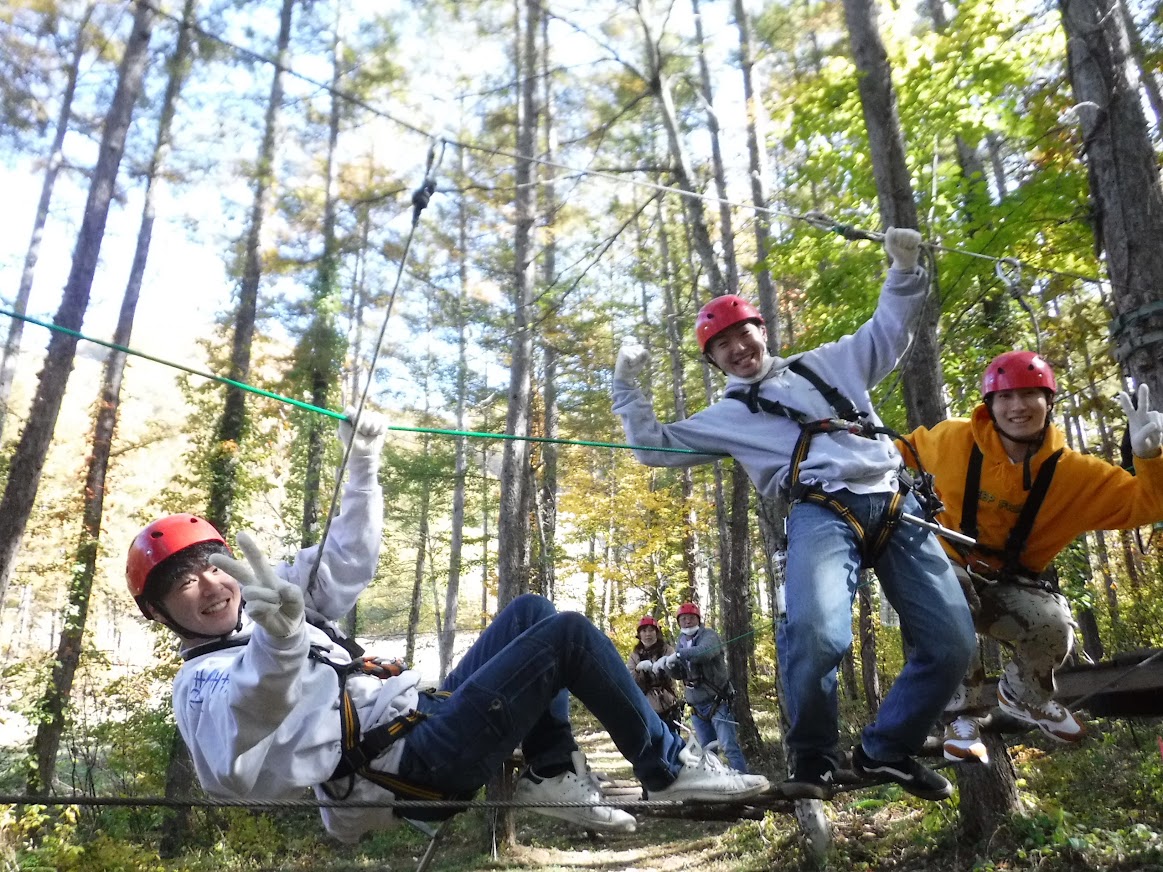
[739,350]
[204,600]
[1021,413]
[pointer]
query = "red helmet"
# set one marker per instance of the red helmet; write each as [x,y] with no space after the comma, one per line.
[1015,370]
[161,539]
[721,313]
[648,621]
[689,609]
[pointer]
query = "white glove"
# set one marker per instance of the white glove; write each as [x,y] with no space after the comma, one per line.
[631,361]
[903,246]
[273,604]
[368,438]
[666,664]
[1145,426]
[645,666]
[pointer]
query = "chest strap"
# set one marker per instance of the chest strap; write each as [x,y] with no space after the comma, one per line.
[1015,545]
[848,420]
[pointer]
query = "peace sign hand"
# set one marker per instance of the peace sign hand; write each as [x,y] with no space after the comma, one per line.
[1145,426]
[272,603]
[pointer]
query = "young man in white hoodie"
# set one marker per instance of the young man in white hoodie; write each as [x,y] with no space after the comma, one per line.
[846,497]
[271,700]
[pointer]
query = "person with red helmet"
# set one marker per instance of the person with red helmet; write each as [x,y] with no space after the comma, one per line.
[659,687]
[1007,479]
[271,699]
[700,661]
[805,428]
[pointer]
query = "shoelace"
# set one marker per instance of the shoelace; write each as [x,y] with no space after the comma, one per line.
[964,729]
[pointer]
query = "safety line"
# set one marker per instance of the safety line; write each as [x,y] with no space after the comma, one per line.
[815,219]
[339,416]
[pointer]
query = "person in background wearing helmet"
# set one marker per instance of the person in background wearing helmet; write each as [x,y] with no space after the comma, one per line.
[659,687]
[1007,478]
[701,663]
[271,700]
[841,478]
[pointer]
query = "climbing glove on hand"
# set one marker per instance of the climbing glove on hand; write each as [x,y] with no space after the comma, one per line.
[1145,426]
[366,439]
[272,603]
[903,246]
[631,361]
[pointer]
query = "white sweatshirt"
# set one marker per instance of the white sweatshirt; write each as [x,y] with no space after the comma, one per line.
[763,443]
[262,720]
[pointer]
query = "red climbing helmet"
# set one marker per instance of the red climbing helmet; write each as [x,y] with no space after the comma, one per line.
[721,313]
[648,621]
[689,609]
[1015,370]
[159,540]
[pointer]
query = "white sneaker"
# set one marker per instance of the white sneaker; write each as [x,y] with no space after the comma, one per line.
[963,741]
[1052,718]
[579,786]
[705,777]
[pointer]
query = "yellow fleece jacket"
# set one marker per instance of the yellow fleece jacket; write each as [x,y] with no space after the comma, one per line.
[1086,493]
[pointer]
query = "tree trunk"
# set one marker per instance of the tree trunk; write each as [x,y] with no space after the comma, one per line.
[32,254]
[1124,182]
[513,527]
[868,670]
[757,167]
[46,745]
[447,640]
[995,797]
[922,375]
[28,459]
[737,606]
[418,576]
[231,426]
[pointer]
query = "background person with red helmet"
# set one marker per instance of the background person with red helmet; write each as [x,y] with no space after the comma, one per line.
[1008,462]
[844,474]
[659,687]
[270,700]
[701,664]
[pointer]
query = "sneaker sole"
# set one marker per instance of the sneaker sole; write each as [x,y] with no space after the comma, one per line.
[963,755]
[1020,715]
[879,777]
[563,815]
[697,795]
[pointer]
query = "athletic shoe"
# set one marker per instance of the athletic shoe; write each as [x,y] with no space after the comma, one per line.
[963,741]
[1051,717]
[705,777]
[579,786]
[916,779]
[811,778]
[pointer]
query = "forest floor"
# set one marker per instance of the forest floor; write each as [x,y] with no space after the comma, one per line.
[1097,806]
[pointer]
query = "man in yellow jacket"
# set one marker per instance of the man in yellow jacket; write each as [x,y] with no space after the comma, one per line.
[1007,479]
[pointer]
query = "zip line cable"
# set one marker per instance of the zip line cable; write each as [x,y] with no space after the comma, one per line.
[816,219]
[338,416]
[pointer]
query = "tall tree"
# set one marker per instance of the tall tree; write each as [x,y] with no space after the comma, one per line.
[1124,181]
[28,459]
[513,528]
[46,744]
[32,253]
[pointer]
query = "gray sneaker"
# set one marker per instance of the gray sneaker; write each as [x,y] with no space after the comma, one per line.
[705,777]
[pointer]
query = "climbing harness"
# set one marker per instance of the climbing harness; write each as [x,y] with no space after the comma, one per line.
[847,420]
[1012,570]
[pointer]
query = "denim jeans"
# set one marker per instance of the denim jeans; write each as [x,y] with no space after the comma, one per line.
[718,726]
[512,688]
[823,567]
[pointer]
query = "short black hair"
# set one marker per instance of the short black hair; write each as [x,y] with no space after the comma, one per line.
[165,575]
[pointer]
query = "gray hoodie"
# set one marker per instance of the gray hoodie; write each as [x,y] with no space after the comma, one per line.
[763,442]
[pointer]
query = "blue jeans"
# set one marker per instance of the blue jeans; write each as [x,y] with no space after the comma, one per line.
[512,688]
[719,726]
[823,570]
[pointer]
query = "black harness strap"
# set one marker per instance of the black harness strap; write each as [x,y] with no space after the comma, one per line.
[848,420]
[1015,545]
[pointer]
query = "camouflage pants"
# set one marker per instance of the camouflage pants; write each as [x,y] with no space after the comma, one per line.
[1036,627]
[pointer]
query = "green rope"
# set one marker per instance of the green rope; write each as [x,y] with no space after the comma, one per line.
[336,415]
